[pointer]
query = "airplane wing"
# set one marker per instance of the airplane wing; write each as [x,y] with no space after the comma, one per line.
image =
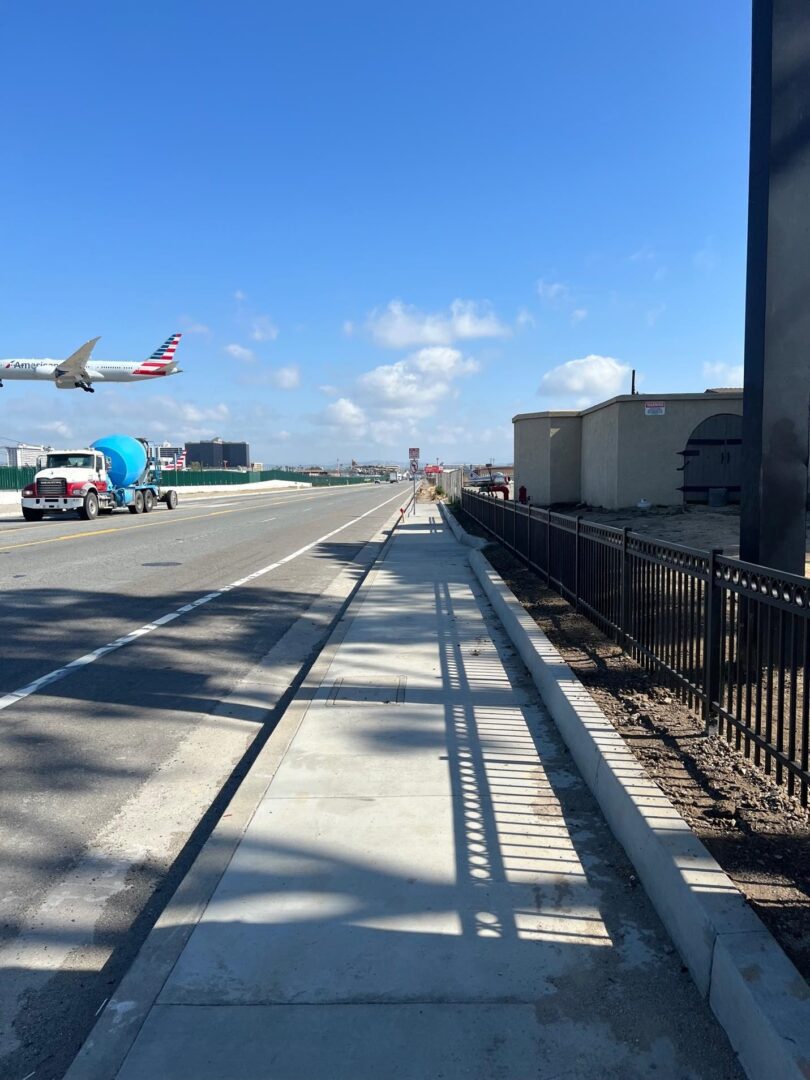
[76,364]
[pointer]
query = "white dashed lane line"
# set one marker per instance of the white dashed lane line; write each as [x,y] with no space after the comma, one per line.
[127,639]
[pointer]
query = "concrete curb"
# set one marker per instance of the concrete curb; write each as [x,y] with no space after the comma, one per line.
[460,534]
[756,993]
[103,1052]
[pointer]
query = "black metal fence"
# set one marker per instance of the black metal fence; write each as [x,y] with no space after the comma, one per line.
[730,638]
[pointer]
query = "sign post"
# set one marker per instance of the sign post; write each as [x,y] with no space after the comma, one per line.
[413,458]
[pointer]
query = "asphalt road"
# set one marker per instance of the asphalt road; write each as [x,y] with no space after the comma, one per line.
[130,705]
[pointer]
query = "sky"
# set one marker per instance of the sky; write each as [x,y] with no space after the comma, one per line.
[378,226]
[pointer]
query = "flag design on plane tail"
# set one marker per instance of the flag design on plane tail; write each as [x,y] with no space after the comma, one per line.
[161,362]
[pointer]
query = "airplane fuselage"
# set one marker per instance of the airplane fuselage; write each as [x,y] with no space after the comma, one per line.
[101,370]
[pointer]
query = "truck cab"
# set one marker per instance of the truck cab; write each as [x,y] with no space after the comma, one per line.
[64,480]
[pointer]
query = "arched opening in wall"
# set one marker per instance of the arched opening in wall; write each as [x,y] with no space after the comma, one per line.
[712,461]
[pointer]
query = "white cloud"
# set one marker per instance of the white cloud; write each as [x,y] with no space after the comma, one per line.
[557,295]
[401,326]
[328,390]
[262,328]
[239,352]
[644,254]
[345,415]
[57,427]
[525,318]
[724,374]
[190,326]
[186,412]
[239,296]
[286,378]
[446,363]
[586,381]
[389,401]
[391,383]
[655,313]
[348,327]
[420,379]
[553,292]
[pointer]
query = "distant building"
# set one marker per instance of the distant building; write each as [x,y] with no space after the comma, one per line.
[22,456]
[670,450]
[218,454]
[172,456]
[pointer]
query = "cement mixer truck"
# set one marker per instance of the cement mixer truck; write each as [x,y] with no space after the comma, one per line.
[110,474]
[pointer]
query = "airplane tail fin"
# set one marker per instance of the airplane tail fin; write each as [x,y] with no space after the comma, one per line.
[162,361]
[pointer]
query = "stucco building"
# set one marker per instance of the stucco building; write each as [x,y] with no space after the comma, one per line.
[667,450]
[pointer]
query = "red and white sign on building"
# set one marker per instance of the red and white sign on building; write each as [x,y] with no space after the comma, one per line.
[413,458]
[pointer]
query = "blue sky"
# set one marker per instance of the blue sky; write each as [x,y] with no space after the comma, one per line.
[377,225]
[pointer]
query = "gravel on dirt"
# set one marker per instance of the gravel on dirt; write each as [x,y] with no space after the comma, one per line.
[755,831]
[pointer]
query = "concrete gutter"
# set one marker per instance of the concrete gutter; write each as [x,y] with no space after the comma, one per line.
[460,534]
[756,993]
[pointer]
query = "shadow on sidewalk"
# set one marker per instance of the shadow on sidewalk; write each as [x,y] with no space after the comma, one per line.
[510,892]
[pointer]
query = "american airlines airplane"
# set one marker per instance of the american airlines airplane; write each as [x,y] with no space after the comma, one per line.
[78,372]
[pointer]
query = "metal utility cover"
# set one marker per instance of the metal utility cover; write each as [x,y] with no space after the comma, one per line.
[352,691]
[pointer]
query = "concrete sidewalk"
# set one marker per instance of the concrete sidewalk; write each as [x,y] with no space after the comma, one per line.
[427,888]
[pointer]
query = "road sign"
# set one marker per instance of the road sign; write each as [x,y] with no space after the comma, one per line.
[413,457]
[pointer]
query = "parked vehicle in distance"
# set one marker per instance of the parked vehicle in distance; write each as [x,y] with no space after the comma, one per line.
[113,472]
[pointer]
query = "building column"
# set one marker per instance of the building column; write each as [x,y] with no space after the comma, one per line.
[777,315]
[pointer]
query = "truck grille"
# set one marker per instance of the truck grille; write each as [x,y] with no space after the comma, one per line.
[52,488]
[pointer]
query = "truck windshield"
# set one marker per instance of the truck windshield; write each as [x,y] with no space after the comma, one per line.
[70,461]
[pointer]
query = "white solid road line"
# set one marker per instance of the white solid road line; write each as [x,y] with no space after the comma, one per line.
[61,673]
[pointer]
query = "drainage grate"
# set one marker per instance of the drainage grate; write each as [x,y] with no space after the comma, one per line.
[356,691]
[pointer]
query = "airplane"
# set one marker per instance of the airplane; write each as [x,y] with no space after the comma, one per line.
[78,372]
[476,479]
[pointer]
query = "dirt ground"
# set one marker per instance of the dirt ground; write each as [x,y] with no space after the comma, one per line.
[753,829]
[698,526]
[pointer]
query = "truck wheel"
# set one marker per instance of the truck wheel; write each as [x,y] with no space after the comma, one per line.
[89,511]
[136,506]
[171,500]
[148,501]
[31,515]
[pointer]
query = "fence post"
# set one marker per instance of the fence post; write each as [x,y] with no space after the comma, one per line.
[625,598]
[576,564]
[711,657]
[548,546]
[529,535]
